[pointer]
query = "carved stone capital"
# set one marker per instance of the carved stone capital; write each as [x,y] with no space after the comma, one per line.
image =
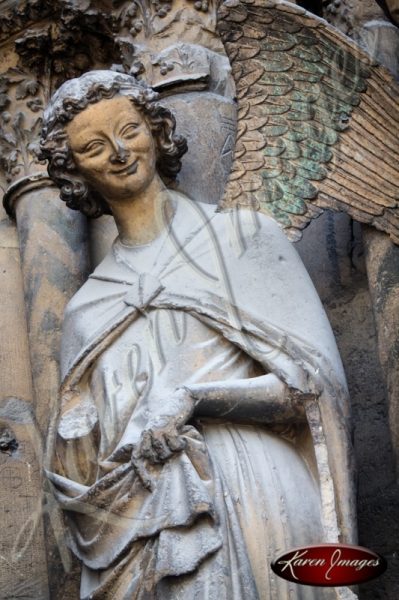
[22,98]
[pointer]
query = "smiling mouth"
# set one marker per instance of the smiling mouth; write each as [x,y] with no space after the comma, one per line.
[129,170]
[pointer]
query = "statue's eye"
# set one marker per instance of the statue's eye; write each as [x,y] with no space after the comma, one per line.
[129,130]
[94,147]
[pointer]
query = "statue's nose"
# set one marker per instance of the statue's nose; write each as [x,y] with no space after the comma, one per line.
[119,154]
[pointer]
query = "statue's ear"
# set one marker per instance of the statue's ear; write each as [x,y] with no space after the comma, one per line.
[165,132]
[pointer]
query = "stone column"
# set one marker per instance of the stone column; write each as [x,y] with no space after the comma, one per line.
[23,568]
[378,512]
[382,260]
[367,23]
[54,262]
[53,246]
[382,257]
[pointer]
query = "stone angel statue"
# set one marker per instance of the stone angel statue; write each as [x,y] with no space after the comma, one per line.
[204,422]
[184,462]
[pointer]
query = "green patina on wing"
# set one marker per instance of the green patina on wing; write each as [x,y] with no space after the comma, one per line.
[317,120]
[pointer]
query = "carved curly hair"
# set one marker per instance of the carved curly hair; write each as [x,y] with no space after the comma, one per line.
[73,97]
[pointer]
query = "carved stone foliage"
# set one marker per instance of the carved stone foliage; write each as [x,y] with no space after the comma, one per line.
[146,18]
[62,52]
[131,28]
[166,42]
[14,15]
[22,99]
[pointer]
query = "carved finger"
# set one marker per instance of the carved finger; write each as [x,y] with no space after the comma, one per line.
[161,451]
[142,473]
[175,442]
[180,423]
[145,446]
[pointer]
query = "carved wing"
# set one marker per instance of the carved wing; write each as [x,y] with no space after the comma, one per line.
[318,122]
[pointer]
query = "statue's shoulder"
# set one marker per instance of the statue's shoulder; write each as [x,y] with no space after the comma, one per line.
[236,222]
[107,281]
[253,231]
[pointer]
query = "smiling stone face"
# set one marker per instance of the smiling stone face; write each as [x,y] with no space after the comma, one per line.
[113,148]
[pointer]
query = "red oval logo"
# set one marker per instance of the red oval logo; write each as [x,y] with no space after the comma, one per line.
[329,565]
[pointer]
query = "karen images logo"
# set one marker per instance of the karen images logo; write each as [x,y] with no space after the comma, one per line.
[329,565]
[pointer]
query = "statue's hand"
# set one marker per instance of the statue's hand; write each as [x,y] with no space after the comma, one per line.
[159,442]
[163,436]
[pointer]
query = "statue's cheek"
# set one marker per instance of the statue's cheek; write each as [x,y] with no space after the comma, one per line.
[143,144]
[92,166]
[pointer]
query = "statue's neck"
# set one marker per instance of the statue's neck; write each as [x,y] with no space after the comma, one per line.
[143,218]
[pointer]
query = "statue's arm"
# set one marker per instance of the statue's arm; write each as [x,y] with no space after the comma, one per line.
[264,399]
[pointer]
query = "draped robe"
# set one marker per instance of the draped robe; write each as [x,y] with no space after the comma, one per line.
[234,293]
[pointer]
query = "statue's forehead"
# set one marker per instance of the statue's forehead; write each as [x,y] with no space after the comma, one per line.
[103,114]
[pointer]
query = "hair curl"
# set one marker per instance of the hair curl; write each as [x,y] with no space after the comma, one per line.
[73,97]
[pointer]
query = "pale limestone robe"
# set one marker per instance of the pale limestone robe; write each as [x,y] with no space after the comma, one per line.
[217,297]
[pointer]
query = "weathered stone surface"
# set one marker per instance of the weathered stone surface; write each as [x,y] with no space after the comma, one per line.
[24,565]
[331,266]
[208,122]
[23,571]
[338,270]
[393,7]
[373,29]
[350,311]
[374,393]
[383,274]
[54,261]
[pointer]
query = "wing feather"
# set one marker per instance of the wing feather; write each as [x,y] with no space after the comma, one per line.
[318,120]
